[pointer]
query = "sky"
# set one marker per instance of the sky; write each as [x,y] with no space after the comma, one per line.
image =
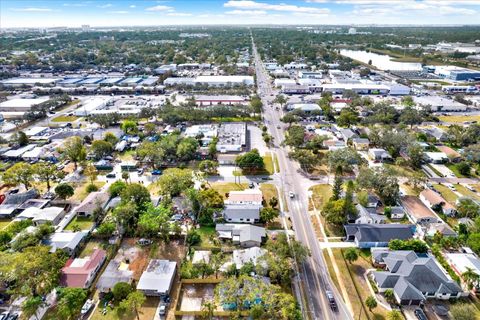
[101,13]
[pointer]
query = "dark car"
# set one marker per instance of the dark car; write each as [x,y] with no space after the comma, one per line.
[111,175]
[420,314]
[156,172]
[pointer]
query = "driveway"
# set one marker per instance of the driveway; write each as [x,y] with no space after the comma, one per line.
[256,139]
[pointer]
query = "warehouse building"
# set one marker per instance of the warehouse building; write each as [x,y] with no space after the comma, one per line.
[457,73]
[213,81]
[232,137]
[17,107]
[29,82]
[88,106]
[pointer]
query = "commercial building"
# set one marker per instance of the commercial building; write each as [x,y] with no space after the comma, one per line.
[457,73]
[440,104]
[214,81]
[305,107]
[29,82]
[17,107]
[203,100]
[232,137]
[87,107]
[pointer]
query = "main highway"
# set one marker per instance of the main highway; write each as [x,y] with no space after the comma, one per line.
[313,273]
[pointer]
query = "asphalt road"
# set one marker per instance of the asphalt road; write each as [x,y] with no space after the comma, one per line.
[313,273]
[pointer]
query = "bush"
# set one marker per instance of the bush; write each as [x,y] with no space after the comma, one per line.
[116,188]
[121,290]
[193,238]
[91,188]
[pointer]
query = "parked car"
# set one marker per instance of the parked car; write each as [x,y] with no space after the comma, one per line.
[156,172]
[420,314]
[111,175]
[162,310]
[144,242]
[87,306]
[291,195]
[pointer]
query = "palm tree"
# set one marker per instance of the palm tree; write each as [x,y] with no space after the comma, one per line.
[371,303]
[389,295]
[351,255]
[394,315]
[471,278]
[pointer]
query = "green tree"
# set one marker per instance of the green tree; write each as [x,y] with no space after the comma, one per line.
[101,148]
[173,181]
[295,136]
[464,168]
[383,182]
[347,117]
[306,158]
[21,138]
[121,290]
[151,152]
[64,190]
[70,302]
[342,160]
[267,215]
[31,305]
[471,278]
[74,150]
[110,138]
[415,153]
[116,188]
[256,105]
[389,295]
[138,194]
[193,237]
[467,208]
[91,172]
[394,315]
[47,173]
[412,244]
[187,149]
[351,255]
[208,309]
[19,173]
[208,167]
[129,127]
[337,187]
[281,100]
[289,118]
[155,222]
[333,212]
[250,161]
[133,302]
[371,303]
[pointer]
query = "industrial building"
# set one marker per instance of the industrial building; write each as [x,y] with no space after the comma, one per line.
[213,81]
[204,100]
[17,107]
[457,73]
[29,82]
[232,137]
[88,106]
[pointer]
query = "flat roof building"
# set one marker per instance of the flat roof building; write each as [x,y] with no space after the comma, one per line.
[157,279]
[232,137]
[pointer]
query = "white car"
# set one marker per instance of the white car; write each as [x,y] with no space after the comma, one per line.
[162,310]
[291,195]
[87,306]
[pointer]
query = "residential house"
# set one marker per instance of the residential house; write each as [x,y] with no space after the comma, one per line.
[377,154]
[452,155]
[397,212]
[51,215]
[12,202]
[348,134]
[245,235]
[417,211]
[250,255]
[360,143]
[413,278]
[377,235]
[461,262]
[368,216]
[247,196]
[242,213]
[67,241]
[436,133]
[435,157]
[94,200]
[435,201]
[115,272]
[373,201]
[157,279]
[80,272]
[441,227]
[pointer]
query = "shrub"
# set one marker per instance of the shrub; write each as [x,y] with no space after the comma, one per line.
[91,188]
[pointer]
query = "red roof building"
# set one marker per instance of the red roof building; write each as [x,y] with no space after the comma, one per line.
[80,272]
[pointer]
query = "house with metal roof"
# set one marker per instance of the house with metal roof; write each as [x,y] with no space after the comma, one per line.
[115,272]
[245,235]
[157,279]
[377,235]
[66,241]
[413,278]
[242,213]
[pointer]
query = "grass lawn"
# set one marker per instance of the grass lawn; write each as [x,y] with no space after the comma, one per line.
[453,167]
[64,119]
[267,160]
[206,233]
[459,119]
[410,190]
[320,195]
[269,191]
[4,223]
[127,155]
[226,187]
[81,191]
[82,222]
[91,245]
[357,287]
[467,193]
[403,171]
[446,193]
[275,158]
[331,271]
[146,312]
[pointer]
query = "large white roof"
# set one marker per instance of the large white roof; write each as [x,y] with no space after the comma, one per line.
[14,103]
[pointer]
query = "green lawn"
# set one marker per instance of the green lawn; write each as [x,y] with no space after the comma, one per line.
[81,191]
[127,155]
[459,119]
[446,193]
[467,193]
[4,223]
[64,119]
[91,245]
[82,222]
[207,234]
[269,191]
[454,169]
[226,187]
[320,195]
[402,171]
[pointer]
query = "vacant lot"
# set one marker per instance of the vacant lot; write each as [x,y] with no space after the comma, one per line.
[81,191]
[64,119]
[459,119]
[320,195]
[269,191]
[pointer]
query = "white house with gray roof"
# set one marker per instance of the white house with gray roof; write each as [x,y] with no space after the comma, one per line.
[157,279]
[413,278]
[240,213]
[245,235]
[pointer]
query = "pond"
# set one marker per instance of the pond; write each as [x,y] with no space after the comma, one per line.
[382,62]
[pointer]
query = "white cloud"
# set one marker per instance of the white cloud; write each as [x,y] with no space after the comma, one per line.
[104,6]
[247,12]
[160,8]
[32,9]
[132,6]
[179,14]
[453,10]
[253,5]
[119,12]
[77,4]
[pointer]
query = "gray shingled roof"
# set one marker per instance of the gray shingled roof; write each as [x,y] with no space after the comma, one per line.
[242,211]
[379,232]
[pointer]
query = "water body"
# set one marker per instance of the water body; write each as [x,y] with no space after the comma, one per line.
[382,62]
